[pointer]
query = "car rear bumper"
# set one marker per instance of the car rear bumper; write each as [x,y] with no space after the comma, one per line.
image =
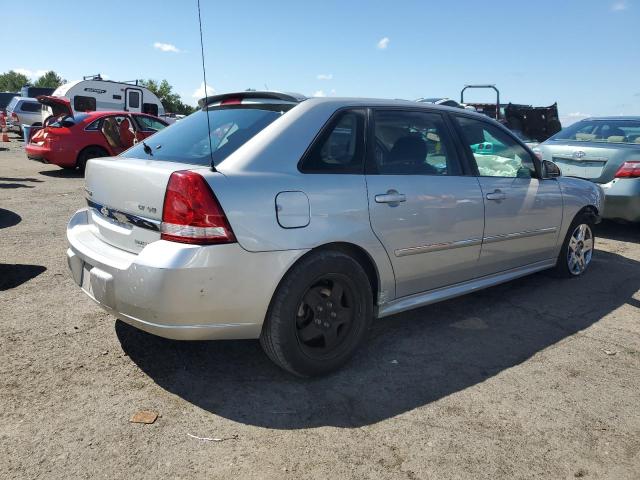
[622,199]
[178,291]
[37,153]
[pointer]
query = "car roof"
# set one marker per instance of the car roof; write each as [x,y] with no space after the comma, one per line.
[339,102]
[28,99]
[619,117]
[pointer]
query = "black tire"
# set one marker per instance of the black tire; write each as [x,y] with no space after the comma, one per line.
[563,268]
[89,153]
[313,326]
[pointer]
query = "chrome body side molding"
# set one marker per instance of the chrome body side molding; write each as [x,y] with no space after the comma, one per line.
[525,234]
[436,247]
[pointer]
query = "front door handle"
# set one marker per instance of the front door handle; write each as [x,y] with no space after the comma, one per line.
[496,195]
[392,197]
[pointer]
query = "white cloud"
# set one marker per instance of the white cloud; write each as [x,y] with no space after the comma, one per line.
[619,6]
[319,93]
[383,43]
[30,73]
[199,92]
[166,47]
[573,117]
[325,76]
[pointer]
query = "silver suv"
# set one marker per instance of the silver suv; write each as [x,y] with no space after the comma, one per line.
[297,221]
[23,110]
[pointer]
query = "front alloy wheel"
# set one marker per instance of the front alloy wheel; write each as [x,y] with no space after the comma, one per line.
[580,249]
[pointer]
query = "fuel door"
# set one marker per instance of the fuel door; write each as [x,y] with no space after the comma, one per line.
[292,209]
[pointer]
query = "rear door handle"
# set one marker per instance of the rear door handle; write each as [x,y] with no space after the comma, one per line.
[392,197]
[496,195]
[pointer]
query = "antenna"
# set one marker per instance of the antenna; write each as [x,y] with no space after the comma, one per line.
[204,75]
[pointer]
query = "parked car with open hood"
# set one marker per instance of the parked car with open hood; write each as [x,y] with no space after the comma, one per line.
[69,141]
[606,151]
[297,221]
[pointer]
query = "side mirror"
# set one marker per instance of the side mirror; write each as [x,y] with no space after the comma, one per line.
[550,169]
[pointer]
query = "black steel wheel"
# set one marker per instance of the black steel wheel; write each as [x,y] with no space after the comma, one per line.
[319,314]
[325,315]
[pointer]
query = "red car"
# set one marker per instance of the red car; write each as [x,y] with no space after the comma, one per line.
[69,140]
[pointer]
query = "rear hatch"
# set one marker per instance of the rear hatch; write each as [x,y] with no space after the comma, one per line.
[55,106]
[125,197]
[126,193]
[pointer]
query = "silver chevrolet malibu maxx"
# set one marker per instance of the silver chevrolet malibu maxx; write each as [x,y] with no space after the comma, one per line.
[297,221]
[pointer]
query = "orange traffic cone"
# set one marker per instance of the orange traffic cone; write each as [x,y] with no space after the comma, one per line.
[5,135]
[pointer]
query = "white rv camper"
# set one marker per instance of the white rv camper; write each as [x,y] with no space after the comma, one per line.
[95,94]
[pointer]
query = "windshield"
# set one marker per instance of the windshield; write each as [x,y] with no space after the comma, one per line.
[187,141]
[601,131]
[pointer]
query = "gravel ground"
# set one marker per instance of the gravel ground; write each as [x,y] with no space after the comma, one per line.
[539,378]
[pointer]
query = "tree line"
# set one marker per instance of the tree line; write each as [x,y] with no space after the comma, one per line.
[13,81]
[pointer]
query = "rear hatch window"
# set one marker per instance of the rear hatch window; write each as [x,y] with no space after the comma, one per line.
[187,141]
[12,104]
[601,131]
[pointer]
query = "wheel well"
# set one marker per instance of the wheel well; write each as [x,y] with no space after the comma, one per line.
[591,211]
[360,255]
[87,148]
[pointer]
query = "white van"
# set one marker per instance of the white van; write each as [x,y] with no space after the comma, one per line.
[95,94]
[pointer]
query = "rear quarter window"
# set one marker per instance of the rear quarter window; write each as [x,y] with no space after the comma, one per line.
[340,146]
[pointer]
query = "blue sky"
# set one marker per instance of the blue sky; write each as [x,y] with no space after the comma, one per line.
[584,54]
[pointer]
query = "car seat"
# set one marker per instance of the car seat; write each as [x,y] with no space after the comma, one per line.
[110,131]
[408,155]
[127,134]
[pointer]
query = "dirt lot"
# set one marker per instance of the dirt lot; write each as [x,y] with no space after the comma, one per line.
[539,378]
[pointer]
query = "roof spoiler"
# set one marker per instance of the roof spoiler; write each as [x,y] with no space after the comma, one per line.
[287,97]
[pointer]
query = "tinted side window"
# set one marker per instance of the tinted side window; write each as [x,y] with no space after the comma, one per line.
[149,124]
[496,153]
[84,104]
[30,107]
[150,108]
[340,148]
[413,143]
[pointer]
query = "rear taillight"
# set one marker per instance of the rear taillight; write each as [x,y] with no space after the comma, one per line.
[191,212]
[629,169]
